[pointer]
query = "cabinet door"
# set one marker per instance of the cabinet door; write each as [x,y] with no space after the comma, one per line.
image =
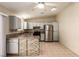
[30,25]
[12,22]
[55,36]
[25,25]
[42,37]
[12,48]
[15,22]
[55,26]
[18,23]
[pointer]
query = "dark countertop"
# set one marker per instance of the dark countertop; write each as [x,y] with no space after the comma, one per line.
[17,33]
[32,30]
[13,34]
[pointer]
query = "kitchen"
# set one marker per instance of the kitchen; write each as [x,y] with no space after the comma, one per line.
[31,31]
[29,28]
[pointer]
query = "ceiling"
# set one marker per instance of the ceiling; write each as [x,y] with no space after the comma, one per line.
[26,9]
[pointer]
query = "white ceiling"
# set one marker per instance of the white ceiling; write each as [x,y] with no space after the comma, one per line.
[27,8]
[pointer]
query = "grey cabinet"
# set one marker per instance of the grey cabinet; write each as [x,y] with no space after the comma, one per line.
[14,22]
[12,46]
[55,31]
[42,37]
[55,36]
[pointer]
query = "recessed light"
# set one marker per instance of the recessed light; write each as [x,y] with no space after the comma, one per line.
[25,16]
[40,5]
[53,9]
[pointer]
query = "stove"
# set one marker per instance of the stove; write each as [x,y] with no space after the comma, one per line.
[36,31]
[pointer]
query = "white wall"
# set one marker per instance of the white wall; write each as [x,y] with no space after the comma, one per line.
[6,24]
[69,27]
[4,29]
[2,36]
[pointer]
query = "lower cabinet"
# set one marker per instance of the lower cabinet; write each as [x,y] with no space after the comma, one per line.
[55,36]
[42,37]
[23,46]
[12,46]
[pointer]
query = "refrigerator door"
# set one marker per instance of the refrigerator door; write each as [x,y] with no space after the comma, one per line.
[48,36]
[48,27]
[48,32]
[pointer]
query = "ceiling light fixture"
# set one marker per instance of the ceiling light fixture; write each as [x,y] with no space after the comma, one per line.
[25,16]
[40,5]
[54,9]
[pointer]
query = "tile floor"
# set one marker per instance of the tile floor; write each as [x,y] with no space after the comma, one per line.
[55,49]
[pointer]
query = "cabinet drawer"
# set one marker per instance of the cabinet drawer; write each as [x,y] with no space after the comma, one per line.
[13,40]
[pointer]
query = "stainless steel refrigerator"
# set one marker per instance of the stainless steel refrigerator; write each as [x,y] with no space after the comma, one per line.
[48,33]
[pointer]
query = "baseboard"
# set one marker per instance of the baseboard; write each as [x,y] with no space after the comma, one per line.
[12,55]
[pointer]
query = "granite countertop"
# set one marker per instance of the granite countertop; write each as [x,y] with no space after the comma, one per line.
[32,30]
[17,33]
[13,33]
[25,31]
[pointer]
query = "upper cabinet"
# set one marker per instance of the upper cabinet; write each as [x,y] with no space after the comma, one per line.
[55,26]
[14,22]
[31,24]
